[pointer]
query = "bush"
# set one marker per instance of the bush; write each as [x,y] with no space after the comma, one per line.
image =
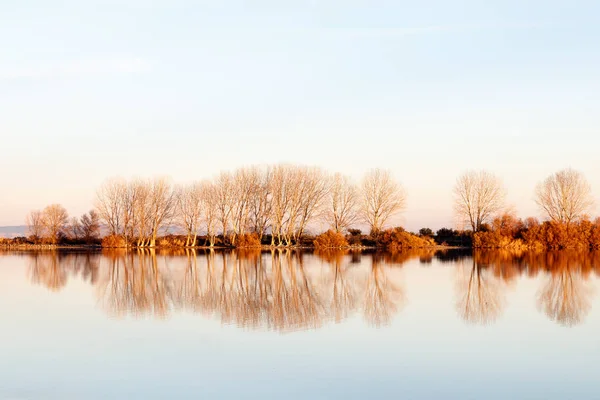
[171,241]
[451,237]
[330,240]
[114,241]
[512,233]
[425,232]
[354,237]
[398,239]
[247,240]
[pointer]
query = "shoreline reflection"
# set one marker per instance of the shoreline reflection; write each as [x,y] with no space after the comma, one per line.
[285,290]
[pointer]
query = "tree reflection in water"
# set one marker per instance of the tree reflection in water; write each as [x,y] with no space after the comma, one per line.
[273,290]
[480,294]
[343,293]
[136,284]
[279,290]
[383,297]
[566,296]
[52,269]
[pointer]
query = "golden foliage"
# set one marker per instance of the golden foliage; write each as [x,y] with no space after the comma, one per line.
[512,233]
[114,241]
[330,240]
[398,239]
[171,241]
[248,240]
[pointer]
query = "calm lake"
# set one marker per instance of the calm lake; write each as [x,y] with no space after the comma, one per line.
[287,325]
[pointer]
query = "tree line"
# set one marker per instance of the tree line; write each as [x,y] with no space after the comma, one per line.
[247,206]
[275,205]
[52,225]
[564,199]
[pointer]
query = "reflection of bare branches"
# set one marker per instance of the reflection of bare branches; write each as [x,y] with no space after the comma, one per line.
[52,269]
[383,298]
[566,296]
[343,292]
[46,270]
[249,289]
[480,299]
[136,285]
[296,302]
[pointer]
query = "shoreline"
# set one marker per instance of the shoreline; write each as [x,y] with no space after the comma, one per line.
[30,247]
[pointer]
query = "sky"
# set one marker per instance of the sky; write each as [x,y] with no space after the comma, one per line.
[428,89]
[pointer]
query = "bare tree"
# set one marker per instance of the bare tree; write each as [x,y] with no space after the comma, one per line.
[90,226]
[55,221]
[162,204]
[564,196]
[189,208]
[209,209]
[224,196]
[341,209]
[73,229]
[315,188]
[35,225]
[243,181]
[382,198]
[260,201]
[140,198]
[281,188]
[478,195]
[111,202]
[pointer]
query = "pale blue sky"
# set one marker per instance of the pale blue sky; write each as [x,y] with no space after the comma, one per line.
[427,89]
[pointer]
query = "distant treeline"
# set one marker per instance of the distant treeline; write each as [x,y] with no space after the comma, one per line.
[275,206]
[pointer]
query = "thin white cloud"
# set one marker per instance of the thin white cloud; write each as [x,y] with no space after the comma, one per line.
[75,68]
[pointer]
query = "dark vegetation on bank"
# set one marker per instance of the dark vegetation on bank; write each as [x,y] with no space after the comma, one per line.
[505,232]
[395,239]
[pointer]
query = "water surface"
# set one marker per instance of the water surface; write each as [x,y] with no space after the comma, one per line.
[142,325]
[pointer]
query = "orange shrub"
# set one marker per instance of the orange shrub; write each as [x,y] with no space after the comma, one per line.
[398,239]
[533,235]
[114,241]
[495,239]
[595,234]
[171,241]
[330,240]
[247,240]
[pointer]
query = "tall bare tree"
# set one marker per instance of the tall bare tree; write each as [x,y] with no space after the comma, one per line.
[55,221]
[224,196]
[90,226]
[281,187]
[565,196]
[141,225]
[478,196]
[382,198]
[243,181]
[73,229]
[341,209]
[315,188]
[260,201]
[35,225]
[110,203]
[162,205]
[188,211]
[209,209]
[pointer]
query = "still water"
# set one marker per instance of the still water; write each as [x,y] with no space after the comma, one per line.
[288,325]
